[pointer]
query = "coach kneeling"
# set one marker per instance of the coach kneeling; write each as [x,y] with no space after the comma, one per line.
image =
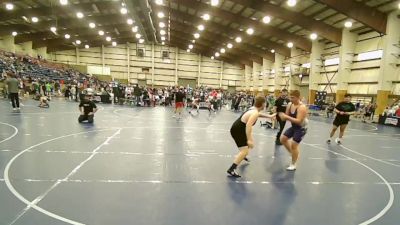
[88,109]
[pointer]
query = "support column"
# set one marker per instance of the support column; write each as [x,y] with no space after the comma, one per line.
[256,77]
[315,70]
[221,74]
[388,71]
[266,70]
[42,52]
[152,65]
[77,56]
[27,48]
[176,64]
[199,71]
[278,73]
[8,43]
[247,76]
[102,59]
[128,61]
[294,65]
[346,55]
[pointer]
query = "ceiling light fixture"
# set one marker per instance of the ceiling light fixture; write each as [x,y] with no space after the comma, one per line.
[14,33]
[291,3]
[200,27]
[79,15]
[190,46]
[272,50]
[63,2]
[196,35]
[313,36]
[129,21]
[159,2]
[86,46]
[162,32]
[135,29]
[78,42]
[212,57]
[162,38]
[138,36]
[160,15]
[67,36]
[108,39]
[222,50]
[9,6]
[229,45]
[141,41]
[114,43]
[92,25]
[162,43]
[214,2]
[290,45]
[161,24]
[206,16]
[123,10]
[250,31]
[101,33]
[348,24]
[266,19]
[217,54]
[34,19]
[187,50]
[238,39]
[193,41]
[53,29]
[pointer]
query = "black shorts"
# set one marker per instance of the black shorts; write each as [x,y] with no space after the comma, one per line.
[240,137]
[338,122]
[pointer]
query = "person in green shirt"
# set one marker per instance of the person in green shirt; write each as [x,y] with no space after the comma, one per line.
[12,88]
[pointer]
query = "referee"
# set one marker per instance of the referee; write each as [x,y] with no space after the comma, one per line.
[280,106]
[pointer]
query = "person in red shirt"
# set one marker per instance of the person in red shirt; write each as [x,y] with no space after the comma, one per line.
[397,112]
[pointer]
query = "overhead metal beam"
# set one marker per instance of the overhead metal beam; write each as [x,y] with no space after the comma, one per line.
[286,36]
[361,12]
[331,33]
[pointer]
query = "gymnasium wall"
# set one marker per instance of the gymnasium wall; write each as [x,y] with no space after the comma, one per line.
[126,64]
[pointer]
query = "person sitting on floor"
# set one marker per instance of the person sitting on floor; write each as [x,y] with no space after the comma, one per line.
[44,102]
[87,109]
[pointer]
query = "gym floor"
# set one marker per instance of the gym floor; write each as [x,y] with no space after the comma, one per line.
[141,166]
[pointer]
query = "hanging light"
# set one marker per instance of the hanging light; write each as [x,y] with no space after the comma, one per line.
[162,38]
[129,21]
[138,36]
[67,36]
[159,2]
[217,54]
[79,15]
[206,16]
[135,29]
[222,50]
[212,57]
[86,46]
[160,15]
[14,33]
[63,2]
[313,36]
[229,45]
[190,46]
[9,6]
[34,19]
[238,39]
[101,33]
[266,19]
[187,50]
[200,27]
[290,45]
[108,39]
[161,24]
[291,3]
[272,50]
[250,31]
[92,25]
[214,2]
[162,32]
[162,43]
[123,10]
[78,42]
[114,43]
[53,29]
[196,35]
[348,24]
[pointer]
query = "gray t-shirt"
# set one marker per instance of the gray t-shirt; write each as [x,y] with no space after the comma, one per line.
[12,84]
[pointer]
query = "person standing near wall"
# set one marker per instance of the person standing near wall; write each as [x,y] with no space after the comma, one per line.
[280,107]
[12,88]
